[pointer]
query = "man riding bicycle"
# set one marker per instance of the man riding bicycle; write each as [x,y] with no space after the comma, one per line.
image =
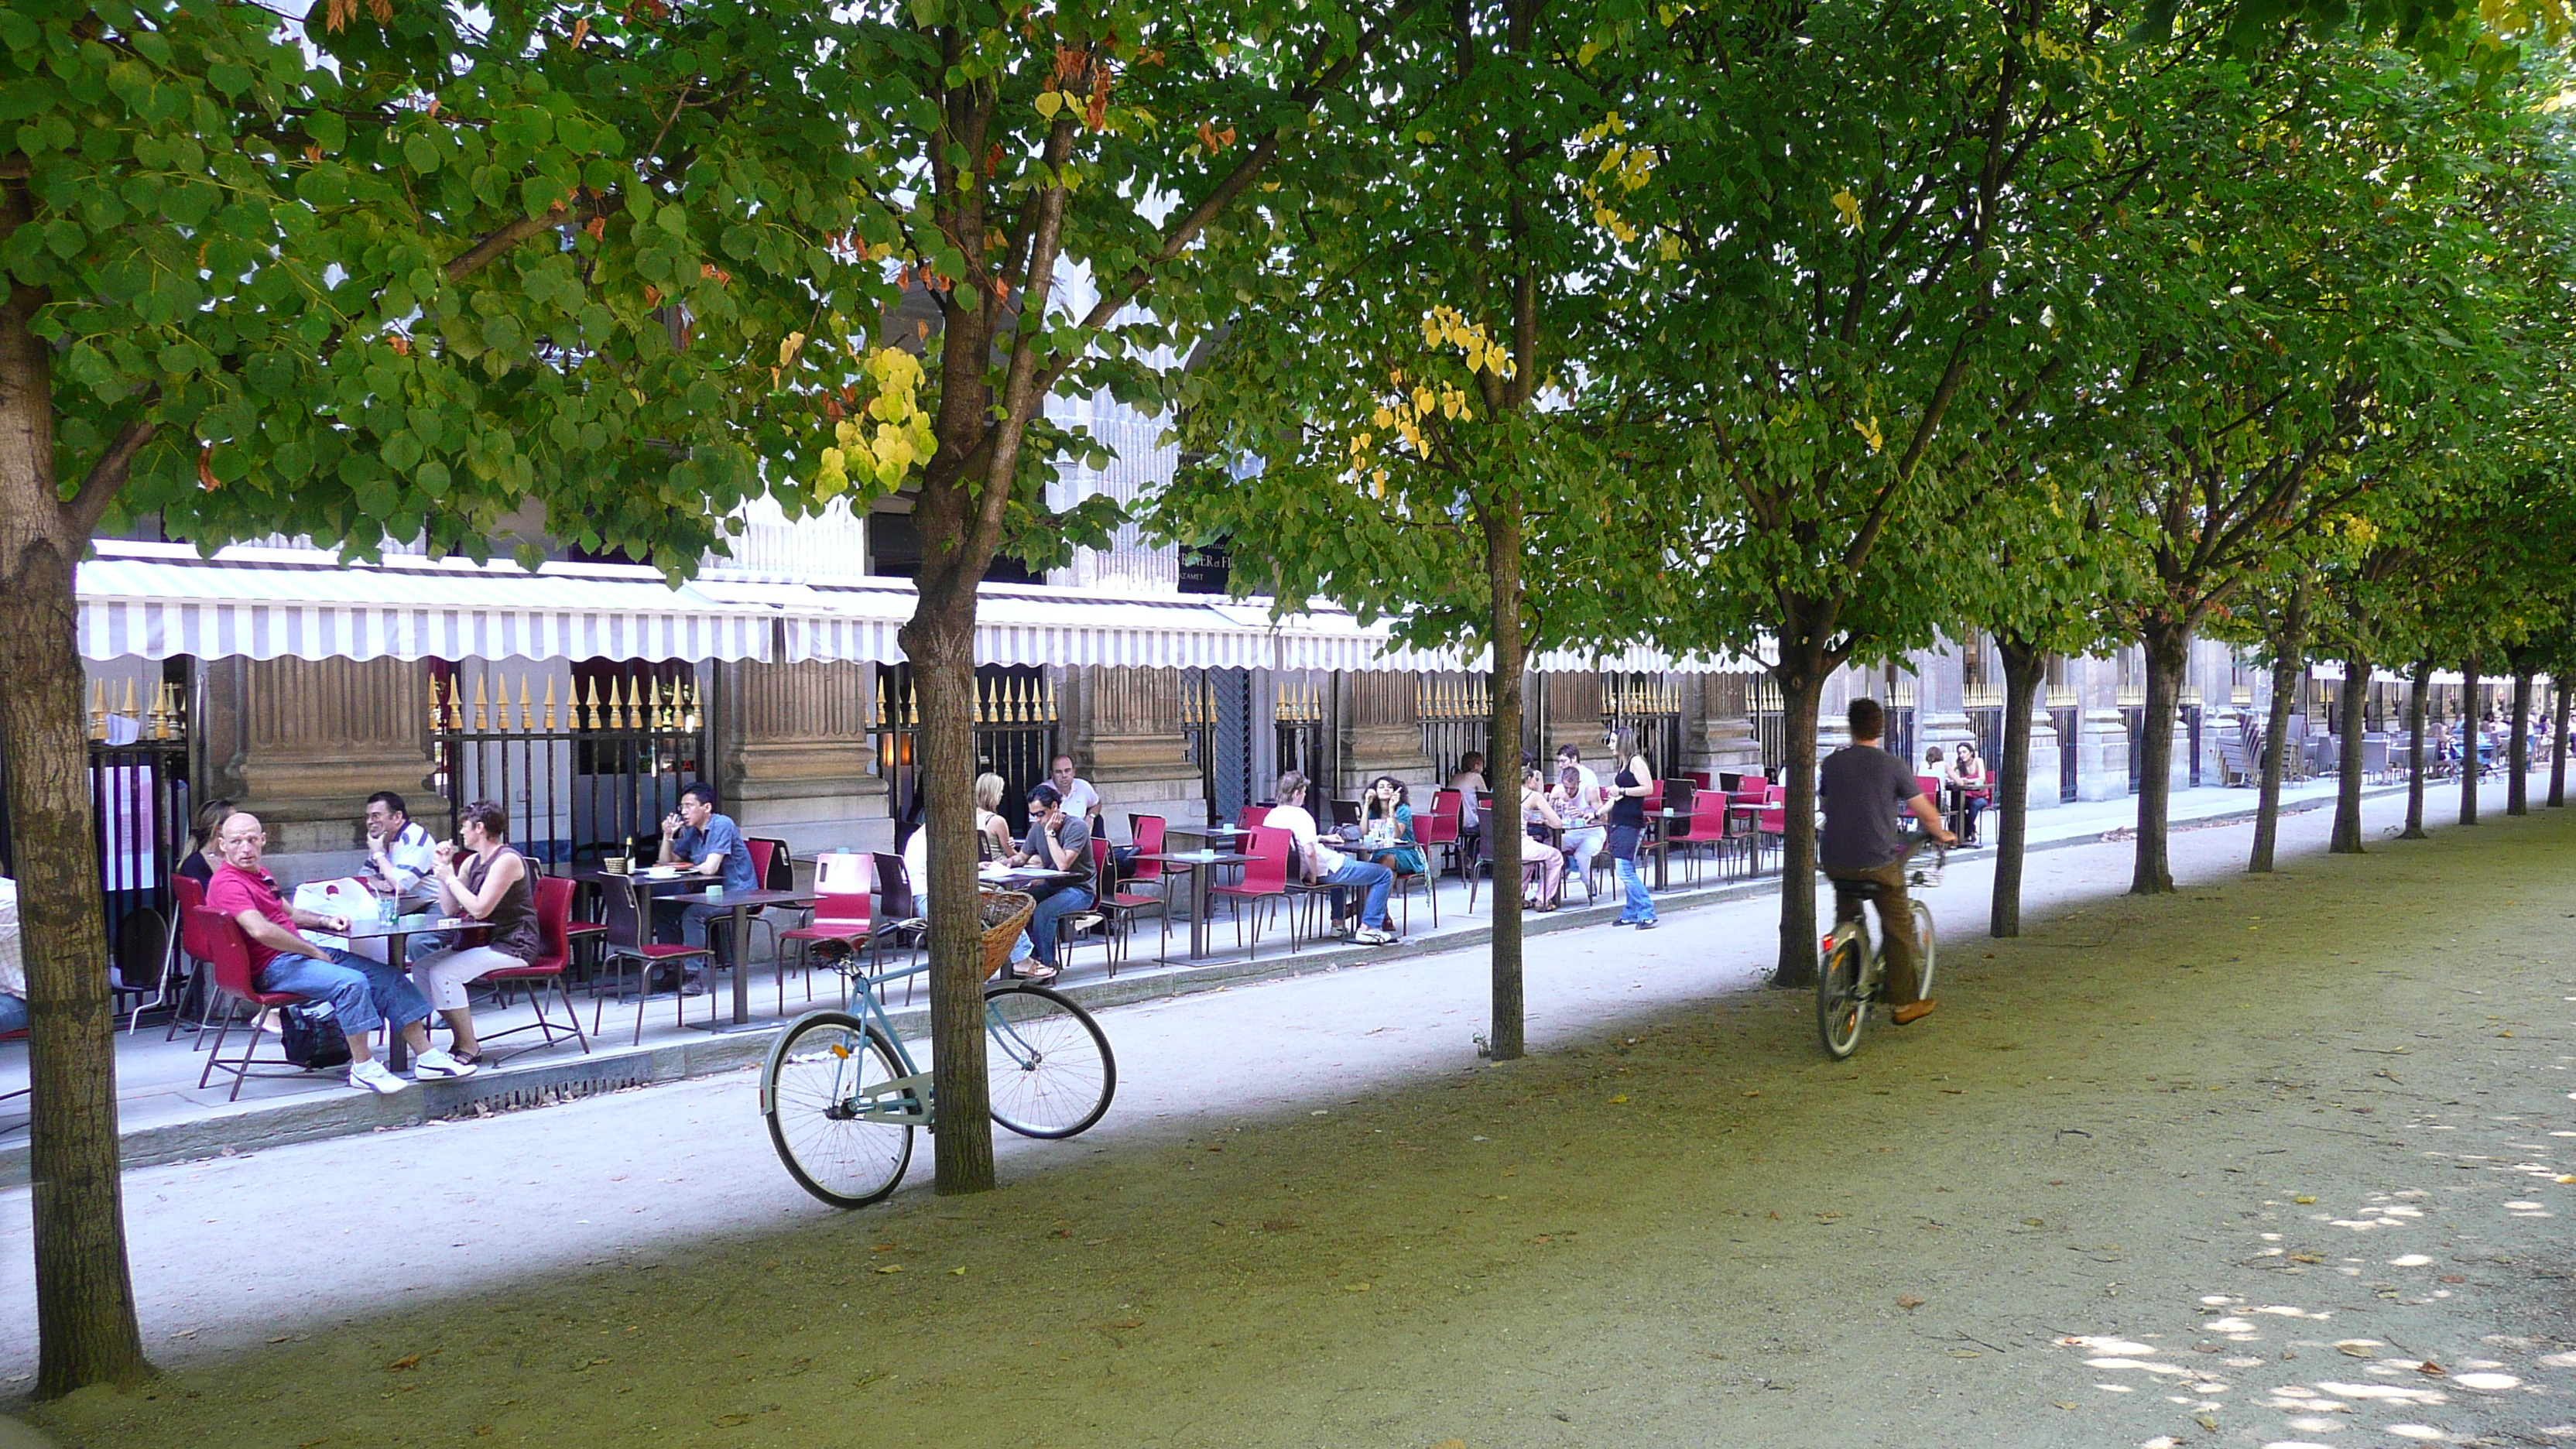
[1860,785]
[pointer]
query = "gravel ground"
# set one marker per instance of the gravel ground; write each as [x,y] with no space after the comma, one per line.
[2273,1162]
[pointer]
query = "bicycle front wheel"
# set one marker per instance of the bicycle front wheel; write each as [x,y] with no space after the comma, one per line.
[1840,1006]
[1050,1070]
[1924,950]
[819,1092]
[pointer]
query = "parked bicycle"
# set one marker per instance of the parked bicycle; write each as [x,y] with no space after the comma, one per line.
[1850,975]
[843,1095]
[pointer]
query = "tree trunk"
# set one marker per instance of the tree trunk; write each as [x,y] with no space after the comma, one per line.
[1503,837]
[939,642]
[1802,686]
[2558,742]
[85,1322]
[2354,696]
[2168,647]
[2471,740]
[2422,686]
[2025,669]
[2289,661]
[2517,785]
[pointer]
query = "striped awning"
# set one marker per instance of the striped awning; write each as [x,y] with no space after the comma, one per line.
[159,600]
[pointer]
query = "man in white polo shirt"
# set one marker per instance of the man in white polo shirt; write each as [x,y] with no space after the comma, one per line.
[1331,867]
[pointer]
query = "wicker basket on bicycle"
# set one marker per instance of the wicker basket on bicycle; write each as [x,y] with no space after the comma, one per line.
[1005,914]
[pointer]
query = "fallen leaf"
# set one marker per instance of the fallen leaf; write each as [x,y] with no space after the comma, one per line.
[2303,1199]
[2354,1351]
[1965,1353]
[2430,1367]
[1908,1300]
[1775,1217]
[2305,1258]
[886,1248]
[1752,1093]
[891,1268]
[2062,1403]
[2033,1223]
[732,1421]
[480,1430]
[1617,1100]
[956,1272]
[279,1337]
[2206,1421]
[1542,1238]
[407,1361]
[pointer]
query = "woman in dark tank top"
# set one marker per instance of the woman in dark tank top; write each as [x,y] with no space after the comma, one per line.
[1628,792]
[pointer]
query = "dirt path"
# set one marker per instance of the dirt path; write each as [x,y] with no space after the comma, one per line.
[2175,1171]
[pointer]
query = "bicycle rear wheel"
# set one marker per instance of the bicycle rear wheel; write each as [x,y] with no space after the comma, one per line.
[1925,948]
[1048,1063]
[1840,1006]
[819,1070]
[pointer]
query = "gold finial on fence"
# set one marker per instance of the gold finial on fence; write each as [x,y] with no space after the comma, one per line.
[1024,704]
[616,715]
[912,709]
[481,718]
[1047,682]
[527,705]
[594,706]
[983,701]
[663,711]
[165,705]
[550,704]
[98,709]
[437,713]
[129,711]
[881,703]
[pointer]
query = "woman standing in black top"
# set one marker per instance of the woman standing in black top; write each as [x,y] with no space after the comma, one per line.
[1628,792]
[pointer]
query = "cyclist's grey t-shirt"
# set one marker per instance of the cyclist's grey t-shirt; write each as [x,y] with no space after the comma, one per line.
[1861,785]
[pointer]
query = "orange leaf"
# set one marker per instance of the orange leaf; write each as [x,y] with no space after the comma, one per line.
[597,226]
[205,469]
[580,32]
[652,295]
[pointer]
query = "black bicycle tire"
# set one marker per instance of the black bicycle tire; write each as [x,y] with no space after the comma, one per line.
[888,1059]
[1099,1038]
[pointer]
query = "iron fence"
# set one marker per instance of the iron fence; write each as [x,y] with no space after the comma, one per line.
[1770,722]
[1650,705]
[2069,720]
[1303,719]
[1457,713]
[592,778]
[1016,735]
[140,803]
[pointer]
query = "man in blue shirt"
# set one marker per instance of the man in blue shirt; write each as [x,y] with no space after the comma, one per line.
[712,848]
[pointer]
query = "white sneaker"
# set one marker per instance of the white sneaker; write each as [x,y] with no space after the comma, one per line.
[436,1063]
[370,1075]
[1371,936]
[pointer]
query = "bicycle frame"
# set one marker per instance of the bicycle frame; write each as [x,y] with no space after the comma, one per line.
[907,1100]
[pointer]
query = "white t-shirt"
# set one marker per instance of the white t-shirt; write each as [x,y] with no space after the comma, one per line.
[1080,798]
[1295,820]
[1582,772]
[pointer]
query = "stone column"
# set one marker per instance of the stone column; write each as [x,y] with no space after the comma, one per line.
[2044,762]
[301,743]
[1381,723]
[1940,702]
[1123,728]
[797,760]
[1719,734]
[1574,717]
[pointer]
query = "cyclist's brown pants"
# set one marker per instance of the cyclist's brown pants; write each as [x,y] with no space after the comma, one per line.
[1895,929]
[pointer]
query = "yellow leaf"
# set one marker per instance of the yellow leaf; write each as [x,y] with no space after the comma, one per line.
[1617,1100]
[1849,206]
[2303,1198]
[1590,49]
[1049,103]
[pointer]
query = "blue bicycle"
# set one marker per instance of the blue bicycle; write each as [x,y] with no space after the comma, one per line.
[843,1096]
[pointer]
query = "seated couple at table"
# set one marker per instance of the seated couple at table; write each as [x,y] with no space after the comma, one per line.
[1359,886]
[1563,826]
[478,877]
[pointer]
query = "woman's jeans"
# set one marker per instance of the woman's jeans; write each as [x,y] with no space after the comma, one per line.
[1639,906]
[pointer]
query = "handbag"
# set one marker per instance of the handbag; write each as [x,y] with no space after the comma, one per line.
[310,1032]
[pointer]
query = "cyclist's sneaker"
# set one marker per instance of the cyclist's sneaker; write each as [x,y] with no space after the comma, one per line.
[1645,925]
[1913,1011]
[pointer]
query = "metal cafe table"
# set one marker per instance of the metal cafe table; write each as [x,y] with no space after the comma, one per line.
[684,888]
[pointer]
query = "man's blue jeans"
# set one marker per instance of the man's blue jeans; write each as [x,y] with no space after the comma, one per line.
[1042,921]
[1374,881]
[13,1013]
[363,994]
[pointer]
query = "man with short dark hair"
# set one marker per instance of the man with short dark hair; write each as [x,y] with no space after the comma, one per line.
[1059,839]
[1862,787]
[402,860]
[1079,798]
[712,848]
